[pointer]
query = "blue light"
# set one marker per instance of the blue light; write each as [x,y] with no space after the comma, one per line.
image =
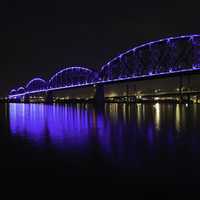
[35,79]
[106,81]
[151,43]
[20,88]
[12,91]
[68,69]
[48,87]
[150,73]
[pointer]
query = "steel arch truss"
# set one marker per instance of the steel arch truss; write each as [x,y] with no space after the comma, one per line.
[73,76]
[13,92]
[162,56]
[36,84]
[20,90]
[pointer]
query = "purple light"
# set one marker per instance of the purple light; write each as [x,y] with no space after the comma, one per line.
[12,91]
[20,88]
[88,83]
[68,69]
[33,120]
[151,43]
[195,66]
[120,56]
[150,73]
[35,79]
[106,81]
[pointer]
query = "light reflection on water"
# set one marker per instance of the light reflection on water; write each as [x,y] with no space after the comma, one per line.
[57,124]
[124,133]
[157,115]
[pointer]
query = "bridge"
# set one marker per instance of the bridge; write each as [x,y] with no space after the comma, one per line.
[169,57]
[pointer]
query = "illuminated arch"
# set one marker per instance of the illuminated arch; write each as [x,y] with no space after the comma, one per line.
[161,56]
[13,92]
[73,76]
[36,84]
[20,90]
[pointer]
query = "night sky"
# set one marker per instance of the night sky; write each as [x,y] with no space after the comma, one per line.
[38,38]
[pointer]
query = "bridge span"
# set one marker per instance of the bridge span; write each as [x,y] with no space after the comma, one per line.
[174,60]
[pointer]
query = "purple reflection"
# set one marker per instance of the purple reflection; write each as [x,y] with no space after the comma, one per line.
[103,127]
[62,126]
[128,136]
[68,125]
[150,134]
[121,137]
[17,116]
[27,120]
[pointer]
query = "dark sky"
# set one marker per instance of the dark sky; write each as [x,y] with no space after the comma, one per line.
[38,38]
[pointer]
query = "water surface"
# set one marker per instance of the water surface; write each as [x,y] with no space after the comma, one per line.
[139,141]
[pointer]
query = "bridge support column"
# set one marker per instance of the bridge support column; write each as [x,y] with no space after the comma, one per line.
[180,88]
[15,100]
[189,88]
[26,98]
[99,94]
[49,97]
[128,96]
[197,99]
[127,93]
[133,99]
[188,98]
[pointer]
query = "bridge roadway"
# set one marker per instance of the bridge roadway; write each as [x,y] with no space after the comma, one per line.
[176,96]
[169,57]
[180,74]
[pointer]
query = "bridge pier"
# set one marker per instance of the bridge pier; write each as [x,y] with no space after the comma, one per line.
[180,89]
[127,93]
[16,100]
[49,97]
[188,98]
[189,88]
[99,95]
[26,98]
